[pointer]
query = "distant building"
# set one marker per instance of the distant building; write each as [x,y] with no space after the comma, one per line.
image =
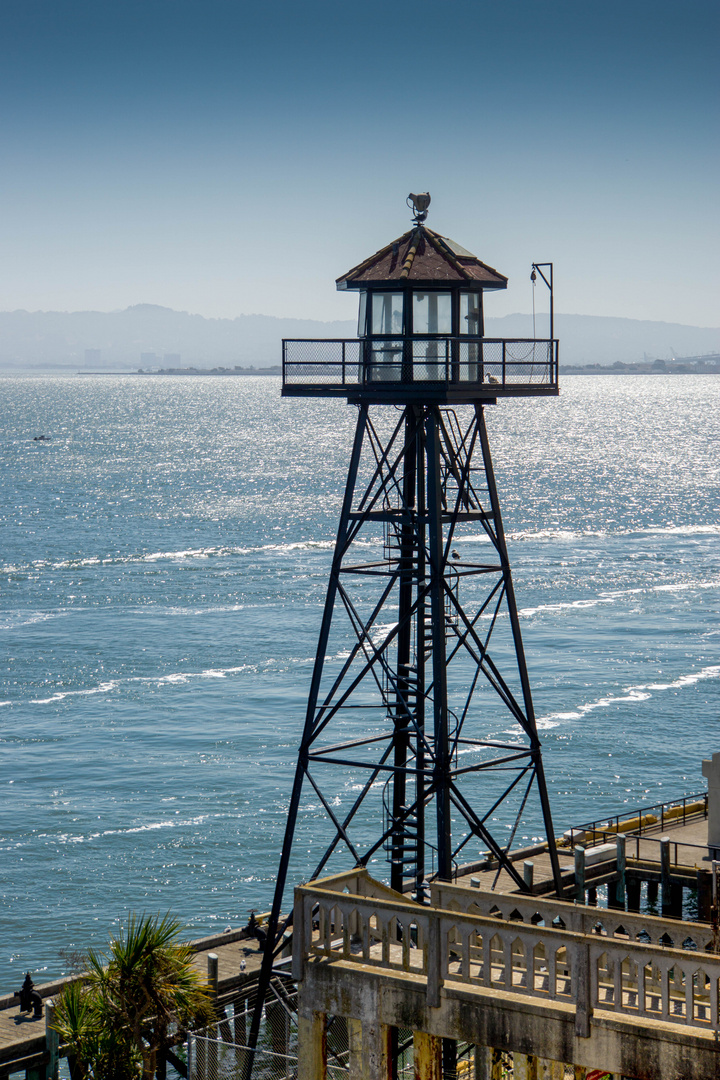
[92,357]
[147,359]
[172,358]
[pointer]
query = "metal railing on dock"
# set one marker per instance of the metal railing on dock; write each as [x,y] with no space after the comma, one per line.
[639,821]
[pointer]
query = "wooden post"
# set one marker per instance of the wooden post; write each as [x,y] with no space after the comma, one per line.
[278,1024]
[665,876]
[298,939]
[312,1047]
[212,1052]
[212,974]
[212,1039]
[225,1031]
[52,1042]
[616,889]
[427,1053]
[239,1028]
[633,885]
[704,895]
[580,874]
[528,873]
[190,1063]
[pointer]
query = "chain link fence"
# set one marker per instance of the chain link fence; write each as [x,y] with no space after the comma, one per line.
[220,1051]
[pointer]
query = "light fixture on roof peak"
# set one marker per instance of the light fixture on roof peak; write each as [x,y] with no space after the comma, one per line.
[419,204]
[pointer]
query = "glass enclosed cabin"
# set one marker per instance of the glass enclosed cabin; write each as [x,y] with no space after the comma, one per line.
[421,333]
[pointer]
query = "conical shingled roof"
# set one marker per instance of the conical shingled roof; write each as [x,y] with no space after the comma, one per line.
[422,257]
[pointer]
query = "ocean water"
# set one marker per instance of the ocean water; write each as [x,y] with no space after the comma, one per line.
[163,565]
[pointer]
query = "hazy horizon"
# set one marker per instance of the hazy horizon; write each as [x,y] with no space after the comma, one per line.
[148,335]
[285,316]
[281,316]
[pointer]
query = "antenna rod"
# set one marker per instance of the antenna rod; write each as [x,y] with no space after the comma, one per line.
[538,267]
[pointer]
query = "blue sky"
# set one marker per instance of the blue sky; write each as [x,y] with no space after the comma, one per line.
[228,158]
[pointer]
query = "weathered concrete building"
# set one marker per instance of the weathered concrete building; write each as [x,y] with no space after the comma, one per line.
[529,987]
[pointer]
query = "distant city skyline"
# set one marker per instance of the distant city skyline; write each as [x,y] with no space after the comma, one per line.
[228,158]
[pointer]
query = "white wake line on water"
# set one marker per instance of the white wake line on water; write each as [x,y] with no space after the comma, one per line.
[17,620]
[569,604]
[226,551]
[678,530]
[171,823]
[619,594]
[630,693]
[155,826]
[176,678]
[584,534]
[215,552]
[640,531]
[173,678]
[640,692]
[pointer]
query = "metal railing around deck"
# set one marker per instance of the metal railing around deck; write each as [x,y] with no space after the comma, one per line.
[453,361]
[526,952]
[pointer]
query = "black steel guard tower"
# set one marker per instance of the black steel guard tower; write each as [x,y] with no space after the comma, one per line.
[420,742]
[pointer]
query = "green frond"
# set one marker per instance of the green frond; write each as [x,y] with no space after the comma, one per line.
[133,993]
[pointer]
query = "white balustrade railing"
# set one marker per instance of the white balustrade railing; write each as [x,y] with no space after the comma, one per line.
[516,949]
[580,918]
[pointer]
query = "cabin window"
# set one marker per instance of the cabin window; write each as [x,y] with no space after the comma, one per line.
[470,314]
[362,315]
[387,313]
[432,313]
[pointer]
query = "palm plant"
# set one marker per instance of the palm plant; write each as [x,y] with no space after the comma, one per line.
[76,1022]
[118,1022]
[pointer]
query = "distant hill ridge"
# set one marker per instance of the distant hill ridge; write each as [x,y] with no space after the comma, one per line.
[47,340]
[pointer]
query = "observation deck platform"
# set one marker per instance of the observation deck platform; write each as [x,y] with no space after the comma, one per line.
[432,369]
